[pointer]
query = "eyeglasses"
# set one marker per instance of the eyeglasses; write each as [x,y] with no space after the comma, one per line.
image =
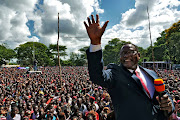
[128,53]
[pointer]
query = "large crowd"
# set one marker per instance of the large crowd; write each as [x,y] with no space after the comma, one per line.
[46,95]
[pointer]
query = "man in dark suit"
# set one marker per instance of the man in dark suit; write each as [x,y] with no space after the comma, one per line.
[130,86]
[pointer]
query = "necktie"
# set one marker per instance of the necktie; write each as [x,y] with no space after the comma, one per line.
[143,84]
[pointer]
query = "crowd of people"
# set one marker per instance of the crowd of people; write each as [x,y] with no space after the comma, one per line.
[172,85]
[31,96]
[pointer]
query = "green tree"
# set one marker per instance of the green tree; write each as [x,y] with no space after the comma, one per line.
[171,38]
[83,55]
[62,50]
[83,52]
[53,51]
[159,49]
[174,28]
[66,63]
[76,59]
[6,54]
[41,54]
[174,47]
[167,46]
[142,54]
[161,40]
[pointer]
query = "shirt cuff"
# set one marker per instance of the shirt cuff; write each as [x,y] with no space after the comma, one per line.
[94,48]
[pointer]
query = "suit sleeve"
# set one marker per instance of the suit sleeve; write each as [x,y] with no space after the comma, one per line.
[96,70]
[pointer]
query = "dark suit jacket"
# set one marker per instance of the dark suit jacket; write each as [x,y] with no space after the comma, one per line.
[130,100]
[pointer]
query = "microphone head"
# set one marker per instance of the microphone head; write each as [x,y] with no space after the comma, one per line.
[159,85]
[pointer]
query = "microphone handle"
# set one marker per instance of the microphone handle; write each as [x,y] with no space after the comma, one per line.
[160,95]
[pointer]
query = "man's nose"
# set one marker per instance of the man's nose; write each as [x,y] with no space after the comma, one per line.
[126,55]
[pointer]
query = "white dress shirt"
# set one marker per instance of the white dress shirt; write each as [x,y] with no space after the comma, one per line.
[94,48]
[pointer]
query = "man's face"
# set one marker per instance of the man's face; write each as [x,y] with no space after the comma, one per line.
[129,56]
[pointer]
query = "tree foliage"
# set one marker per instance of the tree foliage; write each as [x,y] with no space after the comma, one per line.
[83,52]
[41,52]
[6,54]
[62,50]
[53,51]
[174,28]
[143,53]
[174,47]
[167,47]
[76,59]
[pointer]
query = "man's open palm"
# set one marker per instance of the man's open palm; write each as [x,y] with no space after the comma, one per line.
[94,30]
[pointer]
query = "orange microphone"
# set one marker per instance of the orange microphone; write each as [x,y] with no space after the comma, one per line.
[159,85]
[160,88]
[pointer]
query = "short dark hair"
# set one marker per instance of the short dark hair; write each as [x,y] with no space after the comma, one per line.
[130,44]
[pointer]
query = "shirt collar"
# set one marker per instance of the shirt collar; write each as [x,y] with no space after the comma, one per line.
[137,69]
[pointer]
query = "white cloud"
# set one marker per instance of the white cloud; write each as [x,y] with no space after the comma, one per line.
[96,5]
[5,22]
[72,13]
[13,17]
[19,5]
[162,15]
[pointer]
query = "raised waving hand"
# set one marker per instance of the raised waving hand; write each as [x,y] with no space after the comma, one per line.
[94,30]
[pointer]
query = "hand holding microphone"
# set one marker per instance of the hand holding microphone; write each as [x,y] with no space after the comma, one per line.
[163,99]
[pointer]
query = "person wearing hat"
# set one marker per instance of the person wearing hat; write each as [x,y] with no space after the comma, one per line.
[130,86]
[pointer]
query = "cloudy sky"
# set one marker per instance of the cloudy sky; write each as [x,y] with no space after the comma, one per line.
[36,20]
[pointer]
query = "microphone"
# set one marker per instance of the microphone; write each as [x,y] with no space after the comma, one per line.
[160,88]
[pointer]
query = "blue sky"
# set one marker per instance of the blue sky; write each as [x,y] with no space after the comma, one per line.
[36,20]
[30,24]
[114,9]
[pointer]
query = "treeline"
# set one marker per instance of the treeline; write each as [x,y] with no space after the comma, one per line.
[29,52]
[166,48]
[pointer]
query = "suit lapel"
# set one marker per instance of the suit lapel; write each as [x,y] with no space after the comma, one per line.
[134,78]
[137,80]
[153,77]
[139,83]
[149,74]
